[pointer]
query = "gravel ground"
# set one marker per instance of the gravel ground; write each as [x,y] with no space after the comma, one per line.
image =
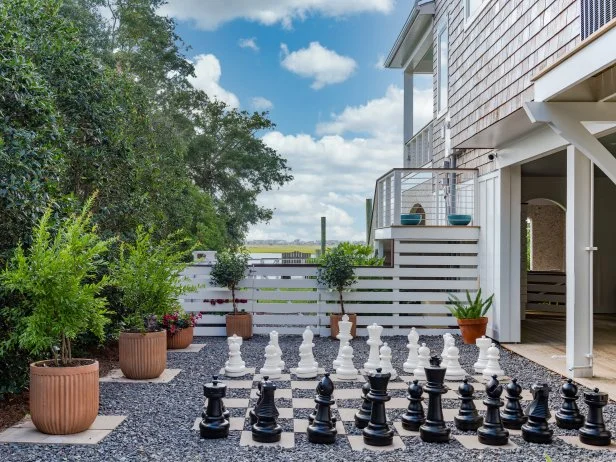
[160,416]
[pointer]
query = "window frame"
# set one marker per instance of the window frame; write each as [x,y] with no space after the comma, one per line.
[470,16]
[443,27]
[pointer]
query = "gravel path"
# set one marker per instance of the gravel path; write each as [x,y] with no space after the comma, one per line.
[160,416]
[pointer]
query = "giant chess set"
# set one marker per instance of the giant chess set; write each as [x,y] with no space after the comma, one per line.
[423,374]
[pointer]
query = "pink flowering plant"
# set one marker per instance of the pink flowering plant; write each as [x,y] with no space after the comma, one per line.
[178,320]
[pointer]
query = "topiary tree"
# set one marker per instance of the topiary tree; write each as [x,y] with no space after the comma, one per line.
[229,270]
[336,272]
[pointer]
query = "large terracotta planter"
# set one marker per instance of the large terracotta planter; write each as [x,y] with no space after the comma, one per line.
[334,319]
[239,324]
[181,339]
[63,400]
[143,356]
[472,329]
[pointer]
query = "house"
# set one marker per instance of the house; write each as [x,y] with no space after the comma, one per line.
[522,139]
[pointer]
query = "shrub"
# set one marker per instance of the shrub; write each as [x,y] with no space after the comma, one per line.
[471,309]
[229,270]
[336,272]
[174,322]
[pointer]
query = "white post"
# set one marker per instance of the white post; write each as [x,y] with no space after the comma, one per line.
[388,205]
[397,197]
[579,251]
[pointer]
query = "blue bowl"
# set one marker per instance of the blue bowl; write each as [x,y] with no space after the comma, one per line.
[459,220]
[410,218]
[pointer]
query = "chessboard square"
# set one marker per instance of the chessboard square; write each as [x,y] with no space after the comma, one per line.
[116,376]
[285,393]
[472,442]
[320,371]
[283,412]
[402,432]
[304,384]
[282,378]
[238,384]
[359,379]
[301,426]
[575,441]
[451,394]
[306,403]
[287,441]
[236,402]
[479,405]
[406,378]
[249,371]
[397,386]
[347,415]
[502,379]
[357,444]
[192,348]
[449,414]
[397,403]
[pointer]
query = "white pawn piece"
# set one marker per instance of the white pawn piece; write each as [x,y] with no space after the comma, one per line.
[385,361]
[235,367]
[374,341]
[344,335]
[424,361]
[272,363]
[307,367]
[413,359]
[454,370]
[446,346]
[449,342]
[274,341]
[493,368]
[231,340]
[483,344]
[346,370]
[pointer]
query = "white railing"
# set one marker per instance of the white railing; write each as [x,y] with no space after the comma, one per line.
[418,150]
[594,14]
[546,291]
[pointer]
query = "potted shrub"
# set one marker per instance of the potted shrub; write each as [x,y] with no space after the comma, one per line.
[228,271]
[56,279]
[180,328]
[148,276]
[471,315]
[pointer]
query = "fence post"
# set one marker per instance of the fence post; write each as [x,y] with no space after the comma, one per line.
[397,197]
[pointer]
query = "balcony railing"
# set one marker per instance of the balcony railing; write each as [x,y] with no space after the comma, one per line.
[594,14]
[418,150]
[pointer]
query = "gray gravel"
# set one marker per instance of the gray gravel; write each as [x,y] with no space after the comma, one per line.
[160,416]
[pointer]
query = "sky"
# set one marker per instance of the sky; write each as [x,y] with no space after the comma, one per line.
[316,66]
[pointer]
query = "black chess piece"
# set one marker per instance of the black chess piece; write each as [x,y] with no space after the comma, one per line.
[568,416]
[434,429]
[323,428]
[492,432]
[512,415]
[213,423]
[468,419]
[414,416]
[267,430]
[537,430]
[251,413]
[593,432]
[362,417]
[378,433]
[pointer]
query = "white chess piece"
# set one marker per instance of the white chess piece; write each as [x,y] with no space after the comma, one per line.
[413,358]
[454,370]
[483,344]
[446,339]
[274,341]
[307,367]
[346,370]
[385,361]
[374,341]
[449,342]
[272,363]
[492,367]
[344,336]
[235,367]
[235,338]
[424,361]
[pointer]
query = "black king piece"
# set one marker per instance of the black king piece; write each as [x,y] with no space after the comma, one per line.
[434,429]
[213,423]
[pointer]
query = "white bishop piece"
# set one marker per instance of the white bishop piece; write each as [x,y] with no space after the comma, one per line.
[493,368]
[454,370]
[374,341]
[413,359]
[346,370]
[344,335]
[385,361]
[235,367]
[307,367]
[483,344]
[272,363]
[274,341]
[424,361]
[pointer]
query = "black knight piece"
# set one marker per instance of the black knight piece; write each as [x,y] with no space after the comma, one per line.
[593,432]
[492,432]
[414,416]
[213,423]
[378,433]
[434,429]
[568,416]
[468,419]
[362,417]
[323,428]
[512,415]
[537,430]
[266,429]
[251,414]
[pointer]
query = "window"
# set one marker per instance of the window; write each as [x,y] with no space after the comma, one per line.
[471,7]
[442,69]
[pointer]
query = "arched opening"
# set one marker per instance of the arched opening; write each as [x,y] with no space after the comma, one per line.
[418,208]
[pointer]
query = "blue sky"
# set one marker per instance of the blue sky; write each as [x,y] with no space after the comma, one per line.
[314,65]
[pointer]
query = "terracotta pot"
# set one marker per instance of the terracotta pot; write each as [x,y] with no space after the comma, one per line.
[63,400]
[181,339]
[143,356]
[239,324]
[472,329]
[333,324]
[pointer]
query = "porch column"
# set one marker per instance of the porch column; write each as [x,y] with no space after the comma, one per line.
[579,263]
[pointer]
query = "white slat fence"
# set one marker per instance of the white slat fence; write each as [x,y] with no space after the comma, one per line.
[546,291]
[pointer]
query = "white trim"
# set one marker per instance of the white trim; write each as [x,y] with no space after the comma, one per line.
[470,19]
[443,27]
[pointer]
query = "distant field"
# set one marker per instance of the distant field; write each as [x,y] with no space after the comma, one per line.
[282,248]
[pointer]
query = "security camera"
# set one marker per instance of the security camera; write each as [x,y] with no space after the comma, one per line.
[492,156]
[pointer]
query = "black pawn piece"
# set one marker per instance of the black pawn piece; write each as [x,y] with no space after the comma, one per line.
[266,430]
[594,432]
[568,416]
[251,414]
[434,429]
[537,430]
[414,416]
[378,433]
[468,419]
[362,417]
[213,423]
[513,415]
[323,429]
[492,433]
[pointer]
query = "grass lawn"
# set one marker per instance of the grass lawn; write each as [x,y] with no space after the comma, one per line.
[282,248]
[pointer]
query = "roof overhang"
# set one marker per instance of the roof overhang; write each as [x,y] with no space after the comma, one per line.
[507,129]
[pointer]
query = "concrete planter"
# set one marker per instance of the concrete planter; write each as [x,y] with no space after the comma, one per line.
[239,324]
[143,356]
[181,339]
[333,324]
[472,329]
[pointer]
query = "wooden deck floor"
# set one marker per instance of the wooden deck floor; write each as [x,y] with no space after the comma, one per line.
[543,341]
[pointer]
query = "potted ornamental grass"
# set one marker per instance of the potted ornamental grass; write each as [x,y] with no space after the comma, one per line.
[471,315]
[179,326]
[228,271]
[57,279]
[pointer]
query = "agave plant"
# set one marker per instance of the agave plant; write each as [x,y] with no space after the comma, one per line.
[470,309]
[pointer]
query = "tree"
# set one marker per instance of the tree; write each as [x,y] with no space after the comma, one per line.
[360,254]
[229,270]
[336,272]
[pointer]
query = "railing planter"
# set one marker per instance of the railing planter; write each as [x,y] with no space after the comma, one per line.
[411,219]
[459,220]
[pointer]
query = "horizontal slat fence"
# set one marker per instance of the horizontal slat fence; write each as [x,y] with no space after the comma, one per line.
[546,291]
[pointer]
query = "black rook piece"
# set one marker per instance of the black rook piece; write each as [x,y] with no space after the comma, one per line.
[568,416]
[434,430]
[594,432]
[536,430]
[251,414]
[414,416]
[323,428]
[362,417]
[266,430]
[213,423]
[492,432]
[378,433]
[513,415]
[468,419]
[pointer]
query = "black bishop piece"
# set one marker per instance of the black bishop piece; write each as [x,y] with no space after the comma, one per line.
[568,416]
[434,429]
[378,433]
[266,429]
[593,432]
[213,423]
[468,419]
[322,430]
[414,416]
[537,430]
[513,415]
[492,433]
[362,417]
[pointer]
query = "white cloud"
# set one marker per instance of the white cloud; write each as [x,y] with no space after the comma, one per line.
[259,103]
[207,78]
[268,12]
[380,63]
[248,43]
[325,66]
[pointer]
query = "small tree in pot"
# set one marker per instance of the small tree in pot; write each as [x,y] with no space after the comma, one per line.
[228,271]
[471,315]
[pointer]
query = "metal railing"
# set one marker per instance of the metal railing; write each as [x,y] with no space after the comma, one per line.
[594,14]
[418,150]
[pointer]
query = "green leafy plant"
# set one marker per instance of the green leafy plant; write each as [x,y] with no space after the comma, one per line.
[361,255]
[336,272]
[229,270]
[57,278]
[471,308]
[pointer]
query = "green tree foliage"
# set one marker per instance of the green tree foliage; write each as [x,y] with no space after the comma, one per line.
[229,270]
[361,255]
[336,272]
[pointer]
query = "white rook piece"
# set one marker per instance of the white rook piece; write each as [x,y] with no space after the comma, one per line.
[424,361]
[374,341]
[274,341]
[346,370]
[385,361]
[493,368]
[483,344]
[344,335]
[235,367]
[272,363]
[413,359]
[307,367]
[454,370]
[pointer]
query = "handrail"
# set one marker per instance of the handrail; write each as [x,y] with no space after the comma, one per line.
[430,122]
